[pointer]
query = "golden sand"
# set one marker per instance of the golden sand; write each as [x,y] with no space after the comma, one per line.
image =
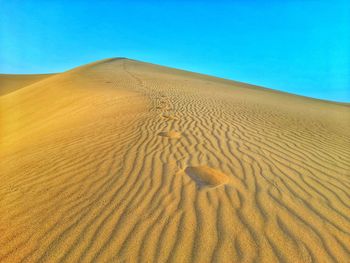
[12,82]
[124,161]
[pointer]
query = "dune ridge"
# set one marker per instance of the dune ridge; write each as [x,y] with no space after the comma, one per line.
[12,82]
[95,161]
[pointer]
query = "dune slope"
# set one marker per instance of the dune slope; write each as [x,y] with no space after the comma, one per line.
[10,83]
[124,161]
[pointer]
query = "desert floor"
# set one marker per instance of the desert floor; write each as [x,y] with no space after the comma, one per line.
[125,161]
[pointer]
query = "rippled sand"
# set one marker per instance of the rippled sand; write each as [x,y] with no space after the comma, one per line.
[124,161]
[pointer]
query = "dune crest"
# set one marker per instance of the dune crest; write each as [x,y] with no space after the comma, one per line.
[10,83]
[86,175]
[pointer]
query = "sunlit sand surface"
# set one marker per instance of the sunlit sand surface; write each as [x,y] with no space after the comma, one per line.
[12,82]
[124,161]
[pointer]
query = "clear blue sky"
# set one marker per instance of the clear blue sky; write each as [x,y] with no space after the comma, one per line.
[298,46]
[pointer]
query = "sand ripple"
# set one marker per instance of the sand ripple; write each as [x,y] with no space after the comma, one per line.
[244,175]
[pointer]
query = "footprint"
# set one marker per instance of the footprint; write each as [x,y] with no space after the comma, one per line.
[163,108]
[170,134]
[206,177]
[169,117]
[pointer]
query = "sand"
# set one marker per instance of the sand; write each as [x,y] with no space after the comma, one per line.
[12,82]
[124,161]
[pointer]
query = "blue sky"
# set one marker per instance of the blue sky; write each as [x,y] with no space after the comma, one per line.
[298,46]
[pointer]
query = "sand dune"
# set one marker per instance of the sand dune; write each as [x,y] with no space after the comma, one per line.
[124,161]
[10,83]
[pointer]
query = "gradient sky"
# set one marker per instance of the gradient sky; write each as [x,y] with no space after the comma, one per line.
[298,46]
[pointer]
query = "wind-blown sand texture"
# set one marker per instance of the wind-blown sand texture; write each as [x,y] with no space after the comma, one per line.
[124,161]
